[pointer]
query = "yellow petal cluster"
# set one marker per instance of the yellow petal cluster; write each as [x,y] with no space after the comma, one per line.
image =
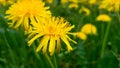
[86,10]
[64,1]
[6,2]
[81,35]
[25,11]
[73,5]
[51,31]
[74,1]
[91,2]
[110,5]
[103,17]
[89,29]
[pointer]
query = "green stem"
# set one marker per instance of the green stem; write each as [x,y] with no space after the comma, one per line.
[102,30]
[105,40]
[55,61]
[49,60]
[38,56]
[118,16]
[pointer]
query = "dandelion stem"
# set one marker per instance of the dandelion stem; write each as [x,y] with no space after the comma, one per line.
[105,40]
[49,60]
[55,61]
[38,56]
[118,16]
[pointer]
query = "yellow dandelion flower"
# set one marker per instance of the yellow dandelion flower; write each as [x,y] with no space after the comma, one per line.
[86,10]
[64,1]
[82,1]
[91,2]
[103,17]
[51,32]
[73,5]
[25,11]
[89,29]
[81,35]
[110,5]
[74,1]
[2,2]
[5,2]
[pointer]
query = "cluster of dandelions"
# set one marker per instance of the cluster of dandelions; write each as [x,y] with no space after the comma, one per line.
[38,23]
[110,5]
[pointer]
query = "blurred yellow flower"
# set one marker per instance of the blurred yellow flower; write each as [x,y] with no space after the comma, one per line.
[103,17]
[6,2]
[49,1]
[64,1]
[89,29]
[81,35]
[91,2]
[51,31]
[74,1]
[25,11]
[110,5]
[82,1]
[86,10]
[2,1]
[73,5]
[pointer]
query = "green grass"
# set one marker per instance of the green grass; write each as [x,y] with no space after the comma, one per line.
[14,52]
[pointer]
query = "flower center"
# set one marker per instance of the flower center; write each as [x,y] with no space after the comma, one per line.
[52,31]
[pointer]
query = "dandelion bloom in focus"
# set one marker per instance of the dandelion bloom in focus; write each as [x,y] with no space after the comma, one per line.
[86,10]
[89,29]
[103,17]
[51,32]
[110,5]
[81,35]
[25,11]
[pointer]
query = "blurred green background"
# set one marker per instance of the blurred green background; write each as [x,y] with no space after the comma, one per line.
[14,52]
